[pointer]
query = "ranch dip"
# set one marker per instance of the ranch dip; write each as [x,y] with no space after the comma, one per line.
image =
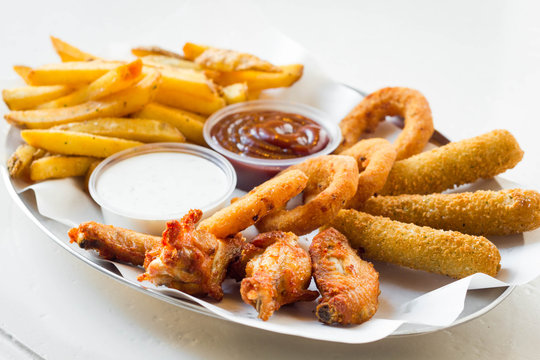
[161,184]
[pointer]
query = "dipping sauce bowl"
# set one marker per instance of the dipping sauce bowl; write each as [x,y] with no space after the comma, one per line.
[254,170]
[144,187]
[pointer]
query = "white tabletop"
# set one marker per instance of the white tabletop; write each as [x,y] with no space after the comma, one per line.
[477,63]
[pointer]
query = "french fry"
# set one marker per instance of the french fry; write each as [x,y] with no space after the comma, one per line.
[76,143]
[69,52]
[189,102]
[28,97]
[154,50]
[187,81]
[120,104]
[192,51]
[189,124]
[164,61]
[19,162]
[260,80]
[111,82]
[253,94]
[71,73]
[23,72]
[55,167]
[144,130]
[235,93]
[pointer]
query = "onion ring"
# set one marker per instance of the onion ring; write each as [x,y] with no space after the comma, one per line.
[247,210]
[333,180]
[375,159]
[391,101]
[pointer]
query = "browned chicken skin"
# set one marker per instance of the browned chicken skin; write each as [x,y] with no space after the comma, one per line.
[277,275]
[187,259]
[191,260]
[349,285]
[114,243]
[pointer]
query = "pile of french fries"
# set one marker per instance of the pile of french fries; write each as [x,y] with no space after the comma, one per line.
[79,111]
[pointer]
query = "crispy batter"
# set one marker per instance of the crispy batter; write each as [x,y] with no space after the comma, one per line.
[333,180]
[443,252]
[230,60]
[375,158]
[278,276]
[391,101]
[114,243]
[480,213]
[19,162]
[250,208]
[349,285]
[191,260]
[454,164]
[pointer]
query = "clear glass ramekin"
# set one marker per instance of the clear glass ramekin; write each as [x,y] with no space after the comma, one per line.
[253,171]
[148,223]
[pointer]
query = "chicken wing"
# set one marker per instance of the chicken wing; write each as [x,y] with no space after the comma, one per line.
[279,275]
[349,285]
[191,260]
[114,243]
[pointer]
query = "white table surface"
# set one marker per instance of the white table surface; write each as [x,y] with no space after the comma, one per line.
[477,63]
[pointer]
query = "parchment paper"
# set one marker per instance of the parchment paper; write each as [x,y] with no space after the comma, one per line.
[407,296]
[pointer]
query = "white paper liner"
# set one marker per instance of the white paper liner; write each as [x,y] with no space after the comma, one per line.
[407,296]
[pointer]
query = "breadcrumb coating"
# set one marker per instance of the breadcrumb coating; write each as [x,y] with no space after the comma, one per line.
[443,252]
[484,213]
[454,164]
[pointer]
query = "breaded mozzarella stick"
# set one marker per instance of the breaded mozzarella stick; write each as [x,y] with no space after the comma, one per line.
[454,164]
[476,213]
[443,252]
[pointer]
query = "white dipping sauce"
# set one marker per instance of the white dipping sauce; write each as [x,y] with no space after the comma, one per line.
[162,184]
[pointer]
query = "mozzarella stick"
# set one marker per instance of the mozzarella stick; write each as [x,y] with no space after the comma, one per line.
[114,243]
[484,213]
[442,252]
[454,164]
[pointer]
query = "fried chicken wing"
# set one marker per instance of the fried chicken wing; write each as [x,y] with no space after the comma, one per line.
[114,243]
[349,285]
[278,275]
[191,260]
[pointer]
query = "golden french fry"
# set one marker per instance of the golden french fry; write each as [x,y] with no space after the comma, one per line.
[19,162]
[192,51]
[253,94]
[55,167]
[69,52]
[260,80]
[188,81]
[120,104]
[231,60]
[189,124]
[76,143]
[144,130]
[235,93]
[154,50]
[23,72]
[111,82]
[71,73]
[160,61]
[189,102]
[28,97]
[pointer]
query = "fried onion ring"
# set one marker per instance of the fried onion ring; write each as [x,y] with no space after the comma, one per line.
[247,210]
[375,159]
[391,101]
[333,180]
